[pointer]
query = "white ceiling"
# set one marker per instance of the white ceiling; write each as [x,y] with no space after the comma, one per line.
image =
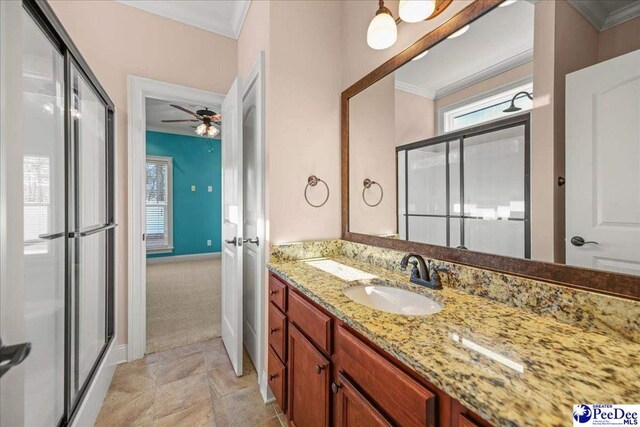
[605,14]
[162,110]
[219,16]
[499,41]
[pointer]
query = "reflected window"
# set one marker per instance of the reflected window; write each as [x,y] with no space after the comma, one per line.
[36,203]
[486,109]
[158,203]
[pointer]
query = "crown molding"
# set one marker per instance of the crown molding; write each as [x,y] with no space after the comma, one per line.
[195,18]
[487,73]
[600,18]
[415,90]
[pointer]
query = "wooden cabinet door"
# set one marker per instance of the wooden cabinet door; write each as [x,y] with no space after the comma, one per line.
[308,382]
[353,409]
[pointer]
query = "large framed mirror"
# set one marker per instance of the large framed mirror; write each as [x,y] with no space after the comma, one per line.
[508,139]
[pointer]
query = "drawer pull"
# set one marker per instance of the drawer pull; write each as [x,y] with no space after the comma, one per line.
[319,368]
[273,330]
[273,292]
[273,377]
[335,388]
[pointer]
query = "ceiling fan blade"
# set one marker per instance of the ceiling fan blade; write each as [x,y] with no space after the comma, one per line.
[184,109]
[177,121]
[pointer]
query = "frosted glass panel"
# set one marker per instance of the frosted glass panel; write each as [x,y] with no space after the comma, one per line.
[427,177]
[494,177]
[44,215]
[498,237]
[428,230]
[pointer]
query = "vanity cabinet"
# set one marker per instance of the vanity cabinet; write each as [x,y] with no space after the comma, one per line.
[325,373]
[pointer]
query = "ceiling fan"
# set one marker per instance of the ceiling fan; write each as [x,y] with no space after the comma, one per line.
[210,125]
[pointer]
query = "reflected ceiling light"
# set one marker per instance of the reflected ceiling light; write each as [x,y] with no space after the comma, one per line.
[460,32]
[507,3]
[416,10]
[512,108]
[383,28]
[422,55]
[382,32]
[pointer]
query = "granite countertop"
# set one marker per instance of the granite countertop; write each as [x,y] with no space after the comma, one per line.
[509,365]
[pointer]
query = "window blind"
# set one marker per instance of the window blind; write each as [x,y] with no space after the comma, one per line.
[158,199]
[36,203]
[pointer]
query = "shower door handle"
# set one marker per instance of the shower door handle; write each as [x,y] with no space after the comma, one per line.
[92,230]
[12,355]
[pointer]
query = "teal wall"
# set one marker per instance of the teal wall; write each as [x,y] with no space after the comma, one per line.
[196,215]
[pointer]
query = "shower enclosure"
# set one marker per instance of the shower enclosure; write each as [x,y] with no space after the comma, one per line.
[56,220]
[468,189]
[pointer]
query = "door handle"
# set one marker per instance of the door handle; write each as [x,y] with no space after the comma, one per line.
[235,241]
[51,236]
[12,355]
[256,241]
[92,230]
[579,241]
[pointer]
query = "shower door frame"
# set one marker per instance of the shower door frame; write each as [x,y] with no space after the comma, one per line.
[47,21]
[523,119]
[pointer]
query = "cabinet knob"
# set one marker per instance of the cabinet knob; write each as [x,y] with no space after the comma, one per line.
[319,368]
[273,377]
[272,330]
[335,388]
[272,292]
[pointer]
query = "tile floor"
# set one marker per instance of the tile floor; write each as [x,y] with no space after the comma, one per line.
[187,386]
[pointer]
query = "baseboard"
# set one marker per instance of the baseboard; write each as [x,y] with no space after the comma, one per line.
[120,355]
[92,402]
[178,258]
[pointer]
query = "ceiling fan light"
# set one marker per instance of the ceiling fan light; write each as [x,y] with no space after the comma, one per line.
[201,129]
[213,131]
[382,32]
[416,10]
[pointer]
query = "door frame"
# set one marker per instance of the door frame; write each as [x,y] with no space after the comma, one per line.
[139,89]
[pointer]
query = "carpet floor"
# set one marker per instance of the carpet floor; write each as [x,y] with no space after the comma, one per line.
[183,303]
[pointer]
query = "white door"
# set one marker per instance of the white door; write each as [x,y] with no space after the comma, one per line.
[232,212]
[603,165]
[253,228]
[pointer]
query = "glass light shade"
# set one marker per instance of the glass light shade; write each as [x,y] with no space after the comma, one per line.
[212,131]
[507,3]
[416,10]
[460,32]
[422,55]
[201,129]
[382,32]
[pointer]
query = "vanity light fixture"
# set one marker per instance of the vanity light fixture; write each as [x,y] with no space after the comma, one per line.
[422,55]
[460,32]
[383,31]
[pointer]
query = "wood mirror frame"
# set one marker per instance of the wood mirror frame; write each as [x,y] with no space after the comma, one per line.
[622,285]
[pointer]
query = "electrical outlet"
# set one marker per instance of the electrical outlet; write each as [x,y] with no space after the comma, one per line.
[210,188]
[193,188]
[208,242]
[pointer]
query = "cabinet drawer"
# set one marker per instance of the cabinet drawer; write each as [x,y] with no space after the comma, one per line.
[353,409]
[402,398]
[277,380]
[466,422]
[278,331]
[314,323]
[278,293]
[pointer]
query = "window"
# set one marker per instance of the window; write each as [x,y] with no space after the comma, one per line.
[159,199]
[487,108]
[36,203]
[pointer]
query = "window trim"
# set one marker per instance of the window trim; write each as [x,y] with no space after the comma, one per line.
[479,101]
[169,214]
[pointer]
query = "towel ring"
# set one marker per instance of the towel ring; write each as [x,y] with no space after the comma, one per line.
[312,181]
[367,184]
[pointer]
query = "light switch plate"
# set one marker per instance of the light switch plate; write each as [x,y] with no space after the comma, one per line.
[210,188]
[208,242]
[193,188]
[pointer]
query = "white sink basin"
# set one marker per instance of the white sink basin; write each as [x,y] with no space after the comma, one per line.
[392,300]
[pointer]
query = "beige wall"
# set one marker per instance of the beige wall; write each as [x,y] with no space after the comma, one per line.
[621,39]
[414,117]
[118,40]
[372,144]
